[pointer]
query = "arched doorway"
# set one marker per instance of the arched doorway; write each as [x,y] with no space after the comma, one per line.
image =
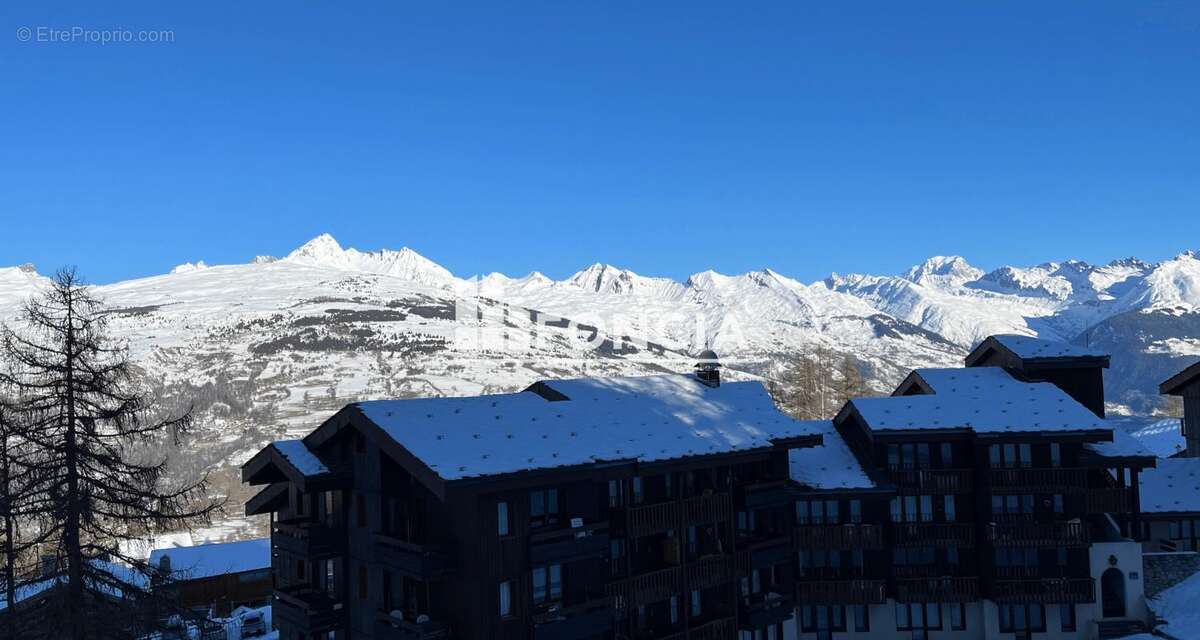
[1112,593]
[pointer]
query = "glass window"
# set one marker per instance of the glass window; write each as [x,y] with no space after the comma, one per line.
[674,605]
[505,599]
[696,610]
[994,455]
[638,495]
[862,618]
[616,493]
[923,456]
[893,452]
[926,508]
[831,512]
[903,623]
[502,518]
[856,511]
[947,455]
[958,617]
[948,507]
[1026,459]
[543,507]
[1055,454]
[547,584]
[1066,616]
[801,512]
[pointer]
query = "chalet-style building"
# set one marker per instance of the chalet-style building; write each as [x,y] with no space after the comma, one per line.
[1186,384]
[1171,492]
[992,501]
[218,577]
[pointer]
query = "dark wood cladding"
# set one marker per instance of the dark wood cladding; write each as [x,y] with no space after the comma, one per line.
[839,536]
[1045,590]
[569,545]
[1053,480]
[652,519]
[407,558]
[940,481]
[719,629]
[937,589]
[842,592]
[1038,534]
[308,539]
[933,534]
[1116,501]
[389,628]
[306,608]
[577,622]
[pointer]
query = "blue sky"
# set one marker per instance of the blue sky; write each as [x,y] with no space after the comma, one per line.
[666,138]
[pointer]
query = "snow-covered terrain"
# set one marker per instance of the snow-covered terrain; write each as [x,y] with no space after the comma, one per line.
[265,350]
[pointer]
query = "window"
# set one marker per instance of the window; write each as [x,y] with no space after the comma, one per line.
[1012,505]
[638,494]
[502,518]
[908,456]
[1055,454]
[616,493]
[912,509]
[1057,504]
[696,609]
[674,613]
[363,582]
[947,455]
[862,618]
[816,512]
[1066,616]
[1183,534]
[1010,456]
[1017,618]
[547,584]
[948,508]
[331,578]
[822,618]
[952,556]
[958,616]
[543,507]
[506,599]
[914,555]
[856,511]
[616,550]
[918,616]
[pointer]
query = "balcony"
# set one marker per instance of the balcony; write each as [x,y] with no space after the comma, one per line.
[763,610]
[306,610]
[942,589]
[677,514]
[765,495]
[1045,590]
[940,481]
[710,571]
[1038,534]
[933,534]
[841,592]
[416,560]
[569,545]
[308,539]
[839,536]
[575,622]
[1043,480]
[765,553]
[391,628]
[719,629]
[1115,501]
[647,587]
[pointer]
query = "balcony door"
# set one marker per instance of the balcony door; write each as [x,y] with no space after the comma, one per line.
[1112,593]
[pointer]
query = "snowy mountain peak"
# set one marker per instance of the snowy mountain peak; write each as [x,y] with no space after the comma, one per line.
[189,267]
[324,251]
[603,278]
[27,268]
[943,270]
[321,249]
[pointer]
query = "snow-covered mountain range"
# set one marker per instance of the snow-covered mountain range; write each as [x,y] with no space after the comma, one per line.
[271,347]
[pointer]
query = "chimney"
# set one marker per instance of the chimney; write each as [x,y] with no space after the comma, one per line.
[164,564]
[708,369]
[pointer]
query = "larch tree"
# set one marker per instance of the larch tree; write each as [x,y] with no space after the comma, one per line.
[98,440]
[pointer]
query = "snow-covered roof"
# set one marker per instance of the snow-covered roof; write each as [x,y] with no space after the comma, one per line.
[300,457]
[828,466]
[1172,486]
[207,560]
[1123,445]
[620,418]
[122,573]
[1162,437]
[983,399]
[1030,348]
[1176,607]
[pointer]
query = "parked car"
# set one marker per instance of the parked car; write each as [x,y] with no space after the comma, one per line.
[253,623]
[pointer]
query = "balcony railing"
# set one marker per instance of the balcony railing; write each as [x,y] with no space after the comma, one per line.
[647,587]
[1038,534]
[309,539]
[839,536]
[306,610]
[768,552]
[711,571]
[677,514]
[1115,501]
[763,610]
[934,480]
[569,545]
[933,534]
[943,589]
[841,592]
[1045,590]
[1049,480]
[417,560]
[389,627]
[575,622]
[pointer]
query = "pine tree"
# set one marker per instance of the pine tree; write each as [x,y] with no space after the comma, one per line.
[97,440]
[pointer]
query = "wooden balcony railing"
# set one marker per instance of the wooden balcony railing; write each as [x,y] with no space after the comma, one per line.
[841,592]
[1115,501]
[1038,534]
[934,480]
[943,589]
[677,514]
[306,609]
[839,536]
[933,534]
[647,587]
[710,571]
[417,560]
[718,629]
[1050,480]
[310,539]
[1045,590]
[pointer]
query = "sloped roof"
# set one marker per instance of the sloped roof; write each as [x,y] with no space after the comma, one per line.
[208,560]
[300,457]
[828,466]
[1035,350]
[1162,437]
[571,422]
[1174,385]
[1172,486]
[983,399]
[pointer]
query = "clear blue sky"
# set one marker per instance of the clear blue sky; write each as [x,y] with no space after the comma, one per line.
[666,138]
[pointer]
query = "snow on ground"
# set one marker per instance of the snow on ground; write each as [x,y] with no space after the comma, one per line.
[1179,608]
